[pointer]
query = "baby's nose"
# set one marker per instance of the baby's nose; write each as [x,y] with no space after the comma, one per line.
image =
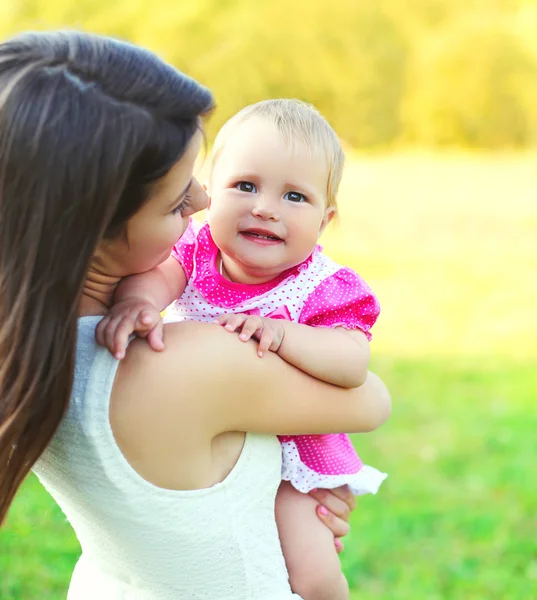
[266,207]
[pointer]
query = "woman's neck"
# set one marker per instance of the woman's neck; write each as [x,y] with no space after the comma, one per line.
[98,294]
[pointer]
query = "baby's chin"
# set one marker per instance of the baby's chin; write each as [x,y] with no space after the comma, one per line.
[268,270]
[262,269]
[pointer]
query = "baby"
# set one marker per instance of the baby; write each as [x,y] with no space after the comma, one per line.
[256,269]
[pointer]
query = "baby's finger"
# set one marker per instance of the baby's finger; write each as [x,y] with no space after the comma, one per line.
[100,330]
[156,337]
[123,331]
[339,545]
[146,321]
[265,341]
[222,319]
[234,322]
[109,333]
[251,325]
[276,341]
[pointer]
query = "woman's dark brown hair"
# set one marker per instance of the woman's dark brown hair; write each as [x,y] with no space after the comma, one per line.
[87,123]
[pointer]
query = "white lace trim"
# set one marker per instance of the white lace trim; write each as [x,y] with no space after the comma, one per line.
[366,481]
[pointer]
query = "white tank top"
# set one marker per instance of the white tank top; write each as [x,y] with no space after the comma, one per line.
[142,542]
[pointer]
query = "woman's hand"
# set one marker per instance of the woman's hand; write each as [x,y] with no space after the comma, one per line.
[334,510]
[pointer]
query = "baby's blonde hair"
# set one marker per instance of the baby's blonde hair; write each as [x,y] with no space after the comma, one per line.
[296,121]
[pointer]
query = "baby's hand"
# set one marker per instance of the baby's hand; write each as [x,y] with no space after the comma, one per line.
[129,316]
[268,332]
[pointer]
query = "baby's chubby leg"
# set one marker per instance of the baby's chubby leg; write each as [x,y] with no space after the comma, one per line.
[308,547]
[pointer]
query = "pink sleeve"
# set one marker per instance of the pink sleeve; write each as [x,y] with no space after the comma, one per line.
[184,249]
[342,300]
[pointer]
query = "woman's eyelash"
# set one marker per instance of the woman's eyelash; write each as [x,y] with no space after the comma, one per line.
[185,203]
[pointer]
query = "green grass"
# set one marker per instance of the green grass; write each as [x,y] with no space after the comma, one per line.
[449,245]
[457,516]
[38,549]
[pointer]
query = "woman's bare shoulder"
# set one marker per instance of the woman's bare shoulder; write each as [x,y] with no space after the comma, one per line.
[188,349]
[195,355]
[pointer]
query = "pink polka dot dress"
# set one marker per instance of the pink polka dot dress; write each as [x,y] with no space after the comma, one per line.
[318,293]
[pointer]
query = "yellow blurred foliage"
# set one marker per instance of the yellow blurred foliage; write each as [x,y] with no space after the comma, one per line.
[447,241]
[384,72]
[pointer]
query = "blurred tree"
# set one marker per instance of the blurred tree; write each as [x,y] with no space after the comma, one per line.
[472,87]
[427,72]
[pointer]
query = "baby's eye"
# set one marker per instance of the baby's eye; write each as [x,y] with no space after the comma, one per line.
[295,197]
[246,186]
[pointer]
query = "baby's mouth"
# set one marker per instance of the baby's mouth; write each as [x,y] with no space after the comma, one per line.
[260,235]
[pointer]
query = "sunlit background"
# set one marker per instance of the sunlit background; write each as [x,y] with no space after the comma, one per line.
[436,103]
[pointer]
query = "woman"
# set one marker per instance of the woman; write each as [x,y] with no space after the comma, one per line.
[167,494]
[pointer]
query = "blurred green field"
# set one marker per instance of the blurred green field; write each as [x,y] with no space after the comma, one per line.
[449,244]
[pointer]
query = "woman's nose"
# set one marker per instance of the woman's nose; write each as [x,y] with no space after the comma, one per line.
[199,196]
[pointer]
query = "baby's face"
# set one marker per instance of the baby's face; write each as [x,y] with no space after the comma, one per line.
[267,200]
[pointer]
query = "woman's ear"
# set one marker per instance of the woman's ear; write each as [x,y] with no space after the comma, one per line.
[329,214]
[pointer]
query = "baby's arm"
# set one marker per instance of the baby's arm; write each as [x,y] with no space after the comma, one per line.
[158,287]
[139,299]
[335,348]
[308,548]
[338,356]
[331,340]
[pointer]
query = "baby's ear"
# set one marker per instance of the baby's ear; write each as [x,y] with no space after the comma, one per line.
[329,214]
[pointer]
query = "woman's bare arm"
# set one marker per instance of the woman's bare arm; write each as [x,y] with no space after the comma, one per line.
[229,388]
